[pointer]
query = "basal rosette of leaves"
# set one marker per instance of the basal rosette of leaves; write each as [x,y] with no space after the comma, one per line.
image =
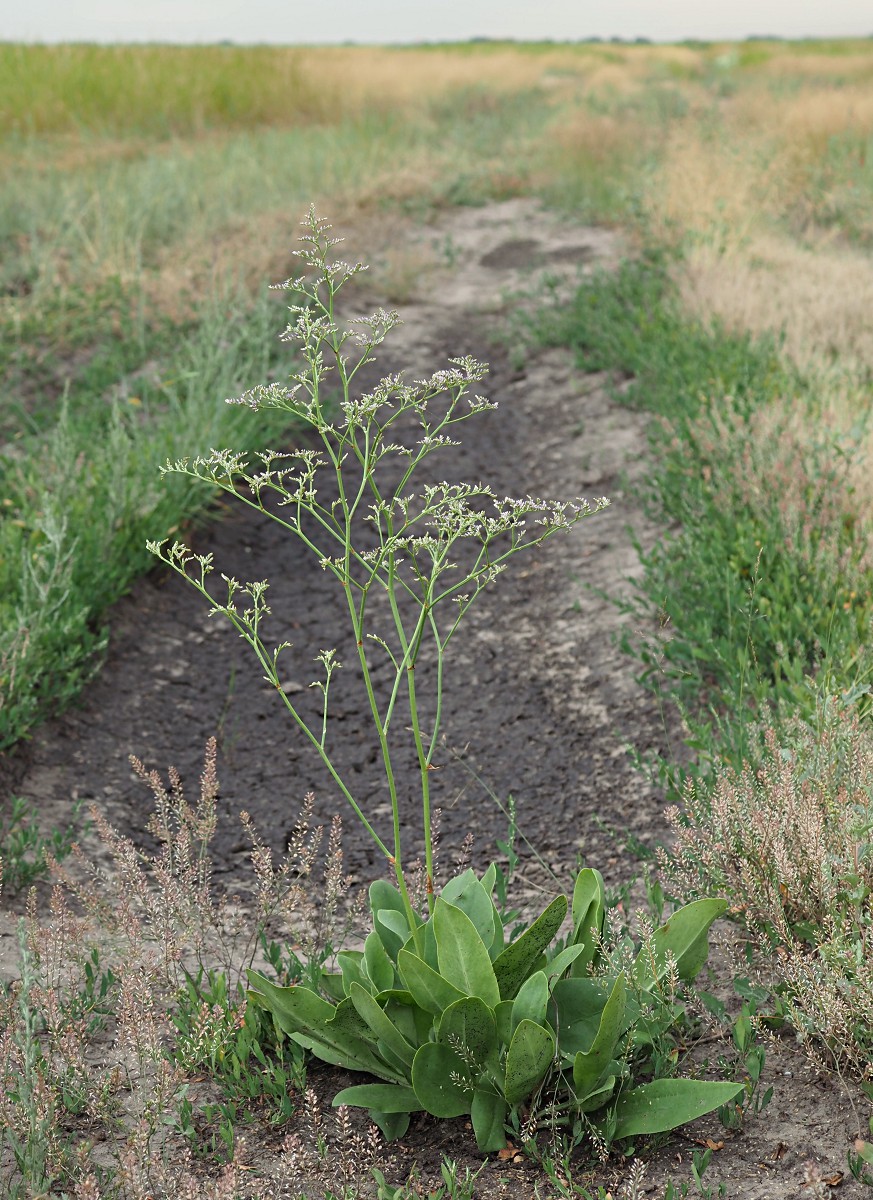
[455,1019]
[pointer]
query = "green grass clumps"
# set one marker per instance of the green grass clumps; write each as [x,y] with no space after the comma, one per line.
[761,576]
[156,90]
[761,581]
[79,498]
[107,359]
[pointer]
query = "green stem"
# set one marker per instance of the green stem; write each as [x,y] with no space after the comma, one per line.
[424,770]
[396,859]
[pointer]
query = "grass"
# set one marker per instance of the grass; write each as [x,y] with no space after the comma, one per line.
[80,498]
[761,589]
[120,356]
[763,576]
[149,194]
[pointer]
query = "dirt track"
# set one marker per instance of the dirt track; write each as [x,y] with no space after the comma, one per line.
[539,700]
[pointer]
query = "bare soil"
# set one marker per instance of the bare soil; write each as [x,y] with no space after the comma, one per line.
[540,703]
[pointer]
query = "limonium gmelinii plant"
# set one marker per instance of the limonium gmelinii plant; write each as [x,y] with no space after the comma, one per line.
[438,547]
[447,1012]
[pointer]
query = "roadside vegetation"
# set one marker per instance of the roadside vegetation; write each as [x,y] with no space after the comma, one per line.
[132,228]
[137,237]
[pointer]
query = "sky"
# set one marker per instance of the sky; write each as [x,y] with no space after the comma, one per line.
[329,21]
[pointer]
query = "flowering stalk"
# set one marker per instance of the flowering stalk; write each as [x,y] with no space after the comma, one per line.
[430,552]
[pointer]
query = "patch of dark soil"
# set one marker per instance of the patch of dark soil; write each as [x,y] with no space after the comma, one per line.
[523,254]
[537,702]
[174,677]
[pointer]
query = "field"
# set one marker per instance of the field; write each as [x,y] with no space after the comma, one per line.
[666,252]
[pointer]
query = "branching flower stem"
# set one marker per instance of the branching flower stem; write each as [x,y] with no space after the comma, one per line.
[442,544]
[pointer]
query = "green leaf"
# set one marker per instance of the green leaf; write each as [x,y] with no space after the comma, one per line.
[385,899]
[396,1061]
[335,1034]
[503,1017]
[529,1057]
[470,1023]
[387,1097]
[380,1023]
[427,987]
[589,906]
[579,1005]
[351,963]
[379,967]
[665,1104]
[438,1093]
[467,893]
[392,1125]
[332,983]
[428,949]
[490,878]
[563,959]
[602,1094]
[411,1021]
[684,937]
[423,945]
[395,923]
[382,894]
[488,1114]
[589,1067]
[521,957]
[531,1002]
[463,957]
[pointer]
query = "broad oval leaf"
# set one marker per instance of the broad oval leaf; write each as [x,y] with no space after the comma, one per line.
[351,964]
[529,1057]
[470,1023]
[422,944]
[578,1006]
[383,1028]
[392,1125]
[386,1097]
[666,1104]
[520,958]
[503,1016]
[590,1067]
[383,894]
[490,878]
[413,1022]
[683,937]
[463,957]
[436,1070]
[603,1093]
[467,893]
[531,1002]
[563,959]
[332,983]
[385,898]
[427,987]
[395,922]
[589,906]
[488,1113]
[334,1033]
[379,967]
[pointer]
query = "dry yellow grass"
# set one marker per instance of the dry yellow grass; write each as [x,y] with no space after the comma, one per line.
[820,295]
[724,147]
[820,299]
[709,186]
[786,61]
